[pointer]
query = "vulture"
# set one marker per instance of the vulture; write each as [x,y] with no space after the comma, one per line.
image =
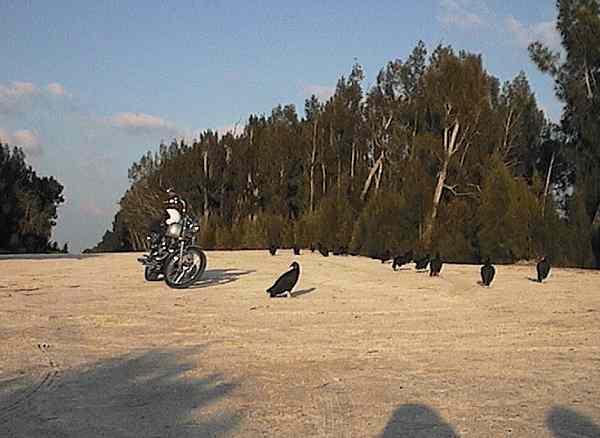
[402,259]
[543,269]
[435,266]
[487,273]
[323,250]
[286,282]
[422,263]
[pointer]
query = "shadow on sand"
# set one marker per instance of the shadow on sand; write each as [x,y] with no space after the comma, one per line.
[156,393]
[215,277]
[47,256]
[566,423]
[417,421]
[301,292]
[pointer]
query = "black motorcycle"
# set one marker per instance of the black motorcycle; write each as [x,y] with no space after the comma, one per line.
[173,254]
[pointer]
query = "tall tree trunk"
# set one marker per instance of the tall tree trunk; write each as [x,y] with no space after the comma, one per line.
[547,186]
[339,176]
[372,173]
[450,148]
[205,206]
[313,163]
[437,196]
[596,237]
[312,188]
[507,129]
[590,93]
[353,161]
[324,172]
[378,177]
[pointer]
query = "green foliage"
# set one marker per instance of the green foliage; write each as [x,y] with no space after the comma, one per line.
[457,232]
[506,214]
[579,244]
[331,225]
[577,85]
[28,204]
[384,225]
[361,169]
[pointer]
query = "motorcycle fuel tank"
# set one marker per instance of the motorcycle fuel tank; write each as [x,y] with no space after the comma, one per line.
[174,230]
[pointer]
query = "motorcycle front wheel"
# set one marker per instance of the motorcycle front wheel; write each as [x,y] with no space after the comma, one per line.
[182,272]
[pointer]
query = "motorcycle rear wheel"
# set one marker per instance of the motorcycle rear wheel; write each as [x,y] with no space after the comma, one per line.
[152,274]
[180,274]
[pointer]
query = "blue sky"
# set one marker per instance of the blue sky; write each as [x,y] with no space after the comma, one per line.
[87,87]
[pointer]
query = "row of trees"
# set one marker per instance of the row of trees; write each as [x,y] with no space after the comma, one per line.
[28,205]
[437,155]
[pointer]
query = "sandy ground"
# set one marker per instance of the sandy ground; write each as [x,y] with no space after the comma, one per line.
[89,349]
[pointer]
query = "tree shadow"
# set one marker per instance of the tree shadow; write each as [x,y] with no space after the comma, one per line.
[215,277]
[417,421]
[301,292]
[156,393]
[567,423]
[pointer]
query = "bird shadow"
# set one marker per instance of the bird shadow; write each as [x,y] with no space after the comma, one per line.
[534,280]
[567,423]
[217,277]
[301,292]
[417,421]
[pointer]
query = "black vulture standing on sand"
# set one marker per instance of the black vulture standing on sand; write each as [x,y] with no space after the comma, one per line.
[323,250]
[273,249]
[422,263]
[385,256]
[543,269]
[340,251]
[435,266]
[487,273]
[402,259]
[286,282]
[296,249]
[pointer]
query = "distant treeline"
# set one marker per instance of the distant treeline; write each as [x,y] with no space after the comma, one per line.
[437,155]
[28,205]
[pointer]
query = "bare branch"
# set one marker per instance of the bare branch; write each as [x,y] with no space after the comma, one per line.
[452,189]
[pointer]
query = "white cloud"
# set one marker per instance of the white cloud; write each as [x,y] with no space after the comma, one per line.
[524,35]
[323,92]
[29,141]
[140,122]
[56,89]
[89,208]
[464,13]
[24,138]
[12,95]
[5,137]
[234,128]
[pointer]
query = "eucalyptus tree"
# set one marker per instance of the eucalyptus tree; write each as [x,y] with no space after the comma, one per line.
[456,93]
[576,72]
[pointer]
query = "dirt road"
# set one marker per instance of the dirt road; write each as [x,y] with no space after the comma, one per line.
[89,349]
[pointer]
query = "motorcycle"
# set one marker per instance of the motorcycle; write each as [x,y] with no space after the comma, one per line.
[173,254]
